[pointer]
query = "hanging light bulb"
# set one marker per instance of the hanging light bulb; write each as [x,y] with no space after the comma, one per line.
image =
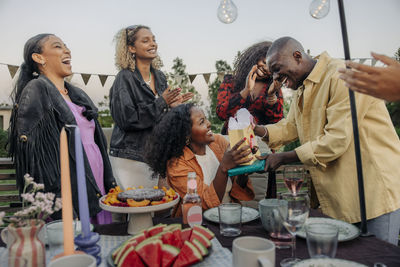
[227,11]
[319,8]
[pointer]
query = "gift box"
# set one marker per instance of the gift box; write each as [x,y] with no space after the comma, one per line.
[257,166]
[240,127]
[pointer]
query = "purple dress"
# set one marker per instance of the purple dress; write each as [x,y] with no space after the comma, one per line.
[93,154]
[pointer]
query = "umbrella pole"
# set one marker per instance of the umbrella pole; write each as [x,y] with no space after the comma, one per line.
[364,231]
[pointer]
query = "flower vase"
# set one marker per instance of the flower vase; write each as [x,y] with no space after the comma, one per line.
[27,245]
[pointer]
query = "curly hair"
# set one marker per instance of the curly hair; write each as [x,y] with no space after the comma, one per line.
[247,59]
[127,37]
[169,138]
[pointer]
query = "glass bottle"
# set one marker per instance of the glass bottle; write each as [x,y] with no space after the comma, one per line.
[191,204]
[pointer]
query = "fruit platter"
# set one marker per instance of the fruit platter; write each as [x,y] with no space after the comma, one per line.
[139,210]
[164,246]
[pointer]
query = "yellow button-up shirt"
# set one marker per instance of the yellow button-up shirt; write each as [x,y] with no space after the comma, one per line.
[320,118]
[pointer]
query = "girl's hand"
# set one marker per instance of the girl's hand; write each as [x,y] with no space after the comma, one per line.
[236,156]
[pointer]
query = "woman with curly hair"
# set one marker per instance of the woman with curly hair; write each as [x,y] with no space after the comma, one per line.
[183,142]
[138,99]
[43,104]
[253,88]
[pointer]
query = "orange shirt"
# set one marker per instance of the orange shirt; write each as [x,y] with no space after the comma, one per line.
[178,170]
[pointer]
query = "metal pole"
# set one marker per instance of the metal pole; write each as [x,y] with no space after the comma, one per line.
[361,194]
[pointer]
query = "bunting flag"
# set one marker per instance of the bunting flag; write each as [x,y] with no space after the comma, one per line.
[192,77]
[12,69]
[206,77]
[85,77]
[103,79]
[373,61]
[178,79]
[221,76]
[362,60]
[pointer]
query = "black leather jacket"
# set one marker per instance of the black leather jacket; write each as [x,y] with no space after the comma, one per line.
[135,111]
[34,140]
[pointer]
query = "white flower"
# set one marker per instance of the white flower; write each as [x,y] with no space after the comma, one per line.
[36,205]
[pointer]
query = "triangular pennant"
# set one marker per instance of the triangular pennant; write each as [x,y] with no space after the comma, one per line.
[373,61]
[103,79]
[206,77]
[69,78]
[12,69]
[362,60]
[85,77]
[221,76]
[192,77]
[178,79]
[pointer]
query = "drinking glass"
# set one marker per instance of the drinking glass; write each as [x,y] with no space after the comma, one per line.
[230,218]
[293,176]
[322,239]
[294,218]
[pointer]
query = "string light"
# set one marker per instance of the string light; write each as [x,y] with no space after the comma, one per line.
[227,11]
[319,8]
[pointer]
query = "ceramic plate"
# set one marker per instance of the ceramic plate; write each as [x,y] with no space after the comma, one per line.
[328,263]
[347,231]
[248,214]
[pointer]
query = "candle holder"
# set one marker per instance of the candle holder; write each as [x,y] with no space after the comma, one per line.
[88,244]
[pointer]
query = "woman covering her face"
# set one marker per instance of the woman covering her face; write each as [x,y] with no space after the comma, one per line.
[251,86]
[183,142]
[139,97]
[43,104]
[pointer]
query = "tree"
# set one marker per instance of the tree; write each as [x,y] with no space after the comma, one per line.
[222,68]
[179,78]
[105,118]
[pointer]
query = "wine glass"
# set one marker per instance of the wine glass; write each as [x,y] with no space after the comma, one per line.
[293,218]
[293,176]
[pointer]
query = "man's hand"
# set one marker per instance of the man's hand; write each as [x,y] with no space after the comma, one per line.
[171,95]
[181,99]
[274,161]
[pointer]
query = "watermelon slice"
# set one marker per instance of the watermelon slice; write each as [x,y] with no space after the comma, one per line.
[155,230]
[201,238]
[173,227]
[131,258]
[122,251]
[139,238]
[203,250]
[168,238]
[189,255]
[150,252]
[133,240]
[206,232]
[185,234]
[177,241]
[168,255]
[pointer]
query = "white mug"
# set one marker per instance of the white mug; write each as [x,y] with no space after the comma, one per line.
[250,251]
[8,238]
[75,260]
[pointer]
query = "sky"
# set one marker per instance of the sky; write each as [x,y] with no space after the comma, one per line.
[188,29]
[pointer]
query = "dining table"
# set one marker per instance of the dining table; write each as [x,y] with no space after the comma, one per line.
[366,250]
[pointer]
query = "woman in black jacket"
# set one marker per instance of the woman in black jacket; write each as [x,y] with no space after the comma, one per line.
[43,104]
[138,99]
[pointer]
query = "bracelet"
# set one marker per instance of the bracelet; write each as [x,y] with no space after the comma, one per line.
[266,131]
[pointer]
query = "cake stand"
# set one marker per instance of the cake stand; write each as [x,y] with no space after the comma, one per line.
[139,217]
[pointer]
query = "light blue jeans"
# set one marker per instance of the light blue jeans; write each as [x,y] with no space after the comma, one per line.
[386,227]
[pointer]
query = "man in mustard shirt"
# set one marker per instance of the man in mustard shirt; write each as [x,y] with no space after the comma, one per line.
[320,118]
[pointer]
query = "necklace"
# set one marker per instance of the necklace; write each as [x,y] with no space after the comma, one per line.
[149,81]
[63,91]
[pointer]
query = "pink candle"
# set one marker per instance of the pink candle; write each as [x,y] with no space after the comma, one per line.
[66,196]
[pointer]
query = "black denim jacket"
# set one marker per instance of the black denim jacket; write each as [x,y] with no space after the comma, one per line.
[135,110]
[34,140]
